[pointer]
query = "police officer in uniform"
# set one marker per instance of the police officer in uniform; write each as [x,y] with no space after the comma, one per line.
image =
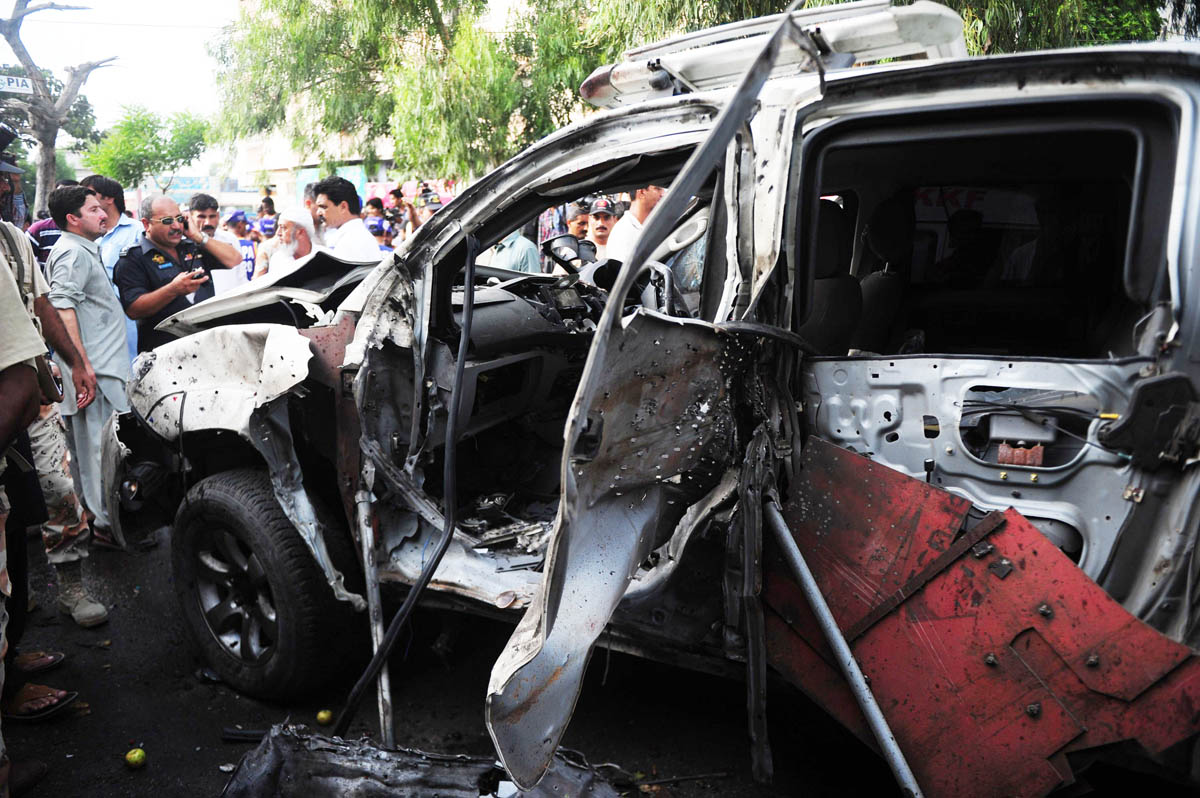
[167,269]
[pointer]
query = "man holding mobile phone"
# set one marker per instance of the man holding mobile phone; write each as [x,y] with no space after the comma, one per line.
[167,269]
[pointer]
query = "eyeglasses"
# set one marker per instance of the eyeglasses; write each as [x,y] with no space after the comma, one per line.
[167,220]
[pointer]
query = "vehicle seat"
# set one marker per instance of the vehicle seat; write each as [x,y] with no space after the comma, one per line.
[836,296]
[890,236]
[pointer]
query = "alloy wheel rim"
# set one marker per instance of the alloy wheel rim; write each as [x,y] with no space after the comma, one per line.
[235,596]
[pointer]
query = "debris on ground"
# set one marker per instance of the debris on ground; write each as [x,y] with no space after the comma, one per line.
[292,761]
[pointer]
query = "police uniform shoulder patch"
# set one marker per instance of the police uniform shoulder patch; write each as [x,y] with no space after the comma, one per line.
[125,252]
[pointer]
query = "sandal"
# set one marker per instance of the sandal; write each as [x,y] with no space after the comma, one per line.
[14,708]
[102,538]
[31,662]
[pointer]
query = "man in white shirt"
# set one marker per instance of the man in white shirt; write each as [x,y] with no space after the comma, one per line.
[204,213]
[345,234]
[628,228]
[295,241]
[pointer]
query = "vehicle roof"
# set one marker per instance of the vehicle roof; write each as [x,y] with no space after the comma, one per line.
[711,61]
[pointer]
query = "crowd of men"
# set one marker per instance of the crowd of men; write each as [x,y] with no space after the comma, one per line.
[611,225]
[81,292]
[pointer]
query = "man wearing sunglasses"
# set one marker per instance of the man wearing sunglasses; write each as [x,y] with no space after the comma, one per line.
[167,269]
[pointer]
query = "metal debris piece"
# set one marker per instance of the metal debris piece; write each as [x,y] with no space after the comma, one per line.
[1001,568]
[926,656]
[1019,455]
[292,761]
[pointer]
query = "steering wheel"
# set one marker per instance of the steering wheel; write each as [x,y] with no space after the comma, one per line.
[653,289]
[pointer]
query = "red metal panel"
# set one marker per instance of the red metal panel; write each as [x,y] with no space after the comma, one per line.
[866,531]
[1002,663]
[329,347]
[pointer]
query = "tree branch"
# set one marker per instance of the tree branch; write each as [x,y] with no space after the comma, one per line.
[77,76]
[11,30]
[24,12]
[439,23]
[12,34]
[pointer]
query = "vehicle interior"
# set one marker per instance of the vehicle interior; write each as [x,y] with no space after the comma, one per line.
[985,233]
[977,282]
[529,341]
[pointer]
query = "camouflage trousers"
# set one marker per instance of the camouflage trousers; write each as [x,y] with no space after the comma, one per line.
[65,535]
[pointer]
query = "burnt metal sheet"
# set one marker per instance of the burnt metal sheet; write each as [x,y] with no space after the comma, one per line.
[988,680]
[239,378]
[329,352]
[269,429]
[657,441]
[290,761]
[622,406]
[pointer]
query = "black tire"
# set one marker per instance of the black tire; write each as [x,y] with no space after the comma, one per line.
[254,599]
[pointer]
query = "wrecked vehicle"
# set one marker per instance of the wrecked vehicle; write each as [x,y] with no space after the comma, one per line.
[909,394]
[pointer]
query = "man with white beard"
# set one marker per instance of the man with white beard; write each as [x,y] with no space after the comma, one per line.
[295,237]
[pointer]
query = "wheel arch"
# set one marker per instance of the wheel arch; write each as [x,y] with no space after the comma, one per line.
[221,398]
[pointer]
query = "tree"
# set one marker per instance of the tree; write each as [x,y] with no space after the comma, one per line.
[1185,17]
[1120,21]
[80,123]
[62,169]
[317,71]
[48,109]
[456,99]
[1011,26]
[144,145]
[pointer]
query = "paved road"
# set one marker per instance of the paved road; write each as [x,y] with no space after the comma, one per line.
[138,676]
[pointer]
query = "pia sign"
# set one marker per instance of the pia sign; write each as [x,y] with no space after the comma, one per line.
[15,85]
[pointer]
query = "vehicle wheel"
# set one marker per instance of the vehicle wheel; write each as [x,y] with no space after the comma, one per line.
[254,599]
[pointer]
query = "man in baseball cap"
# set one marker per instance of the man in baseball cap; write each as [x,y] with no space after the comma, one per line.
[601,215]
[379,227]
[237,224]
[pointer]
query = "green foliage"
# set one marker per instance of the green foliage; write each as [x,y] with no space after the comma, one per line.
[456,100]
[80,122]
[143,144]
[454,116]
[316,70]
[1012,26]
[1120,21]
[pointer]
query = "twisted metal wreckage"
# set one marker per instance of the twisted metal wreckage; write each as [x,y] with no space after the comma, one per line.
[956,639]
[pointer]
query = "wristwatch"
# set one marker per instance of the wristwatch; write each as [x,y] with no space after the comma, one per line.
[204,238]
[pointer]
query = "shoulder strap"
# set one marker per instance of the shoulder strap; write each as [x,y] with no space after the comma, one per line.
[10,245]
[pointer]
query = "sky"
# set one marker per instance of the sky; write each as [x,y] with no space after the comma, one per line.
[163,61]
